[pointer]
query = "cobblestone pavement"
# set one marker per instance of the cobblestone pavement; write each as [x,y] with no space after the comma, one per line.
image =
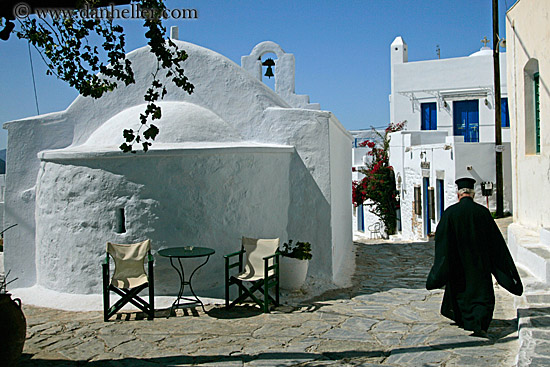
[386,318]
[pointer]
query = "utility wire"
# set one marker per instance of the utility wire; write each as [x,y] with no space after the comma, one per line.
[33,81]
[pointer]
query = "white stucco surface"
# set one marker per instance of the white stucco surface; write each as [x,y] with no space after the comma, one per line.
[529,236]
[233,159]
[453,79]
[284,73]
[77,203]
[444,156]
[447,158]
[181,122]
[527,31]
[340,177]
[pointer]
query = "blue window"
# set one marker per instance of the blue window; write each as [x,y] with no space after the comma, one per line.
[504,114]
[466,120]
[429,116]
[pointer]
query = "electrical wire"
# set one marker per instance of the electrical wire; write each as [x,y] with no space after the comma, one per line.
[33,81]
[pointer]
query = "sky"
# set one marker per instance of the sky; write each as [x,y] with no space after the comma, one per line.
[341,47]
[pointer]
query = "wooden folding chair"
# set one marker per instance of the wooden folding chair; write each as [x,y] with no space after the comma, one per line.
[259,273]
[129,278]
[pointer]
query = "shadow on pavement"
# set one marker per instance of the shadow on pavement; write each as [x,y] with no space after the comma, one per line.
[384,266]
[274,358]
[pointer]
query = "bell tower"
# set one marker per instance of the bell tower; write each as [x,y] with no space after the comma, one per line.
[284,73]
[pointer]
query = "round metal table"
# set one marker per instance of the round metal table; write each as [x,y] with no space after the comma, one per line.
[186,252]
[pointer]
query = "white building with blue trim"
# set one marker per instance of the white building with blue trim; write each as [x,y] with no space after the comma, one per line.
[450,133]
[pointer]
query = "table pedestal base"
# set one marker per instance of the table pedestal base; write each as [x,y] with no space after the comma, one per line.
[188,302]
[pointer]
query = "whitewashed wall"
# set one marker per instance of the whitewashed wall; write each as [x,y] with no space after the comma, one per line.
[26,138]
[527,38]
[177,202]
[290,186]
[423,80]
[527,34]
[316,135]
[449,160]
[341,202]
[460,73]
[282,177]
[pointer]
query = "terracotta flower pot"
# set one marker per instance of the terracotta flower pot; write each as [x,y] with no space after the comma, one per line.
[13,331]
[292,272]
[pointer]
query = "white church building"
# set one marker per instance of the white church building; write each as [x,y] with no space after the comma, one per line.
[233,159]
[450,133]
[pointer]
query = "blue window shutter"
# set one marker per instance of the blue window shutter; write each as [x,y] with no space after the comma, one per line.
[466,120]
[428,116]
[504,113]
[473,121]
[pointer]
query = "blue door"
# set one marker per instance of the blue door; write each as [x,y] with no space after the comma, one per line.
[426,210]
[466,120]
[429,116]
[504,114]
[360,218]
[440,192]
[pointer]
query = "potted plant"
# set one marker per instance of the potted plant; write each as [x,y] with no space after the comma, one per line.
[294,264]
[14,326]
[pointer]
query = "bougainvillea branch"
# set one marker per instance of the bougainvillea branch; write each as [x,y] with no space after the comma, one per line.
[377,188]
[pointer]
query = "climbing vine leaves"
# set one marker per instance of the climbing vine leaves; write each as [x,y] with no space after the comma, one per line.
[69,46]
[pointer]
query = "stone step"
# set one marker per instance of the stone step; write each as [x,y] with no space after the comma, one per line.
[532,309]
[545,236]
[539,299]
[537,259]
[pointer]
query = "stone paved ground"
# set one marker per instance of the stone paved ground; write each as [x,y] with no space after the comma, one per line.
[386,318]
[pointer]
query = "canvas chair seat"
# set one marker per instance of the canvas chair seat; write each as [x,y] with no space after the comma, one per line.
[129,270]
[261,269]
[255,251]
[129,277]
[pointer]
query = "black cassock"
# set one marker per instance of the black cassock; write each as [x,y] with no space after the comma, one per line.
[468,249]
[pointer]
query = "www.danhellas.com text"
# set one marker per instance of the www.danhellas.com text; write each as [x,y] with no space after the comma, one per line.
[135,11]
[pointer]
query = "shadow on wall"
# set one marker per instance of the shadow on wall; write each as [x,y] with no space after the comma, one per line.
[202,200]
[309,218]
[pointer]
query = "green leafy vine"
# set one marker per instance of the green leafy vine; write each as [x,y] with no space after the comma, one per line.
[66,44]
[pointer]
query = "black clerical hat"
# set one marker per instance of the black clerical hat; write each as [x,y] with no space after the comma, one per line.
[465,183]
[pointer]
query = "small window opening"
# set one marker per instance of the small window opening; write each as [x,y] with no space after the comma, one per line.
[121,221]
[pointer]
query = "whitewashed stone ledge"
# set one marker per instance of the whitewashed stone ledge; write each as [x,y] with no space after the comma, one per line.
[159,150]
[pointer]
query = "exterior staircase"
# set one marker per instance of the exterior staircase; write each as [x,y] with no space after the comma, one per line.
[531,252]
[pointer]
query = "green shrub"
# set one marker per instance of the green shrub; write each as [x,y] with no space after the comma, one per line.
[299,250]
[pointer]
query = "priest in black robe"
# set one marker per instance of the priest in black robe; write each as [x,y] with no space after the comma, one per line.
[468,249]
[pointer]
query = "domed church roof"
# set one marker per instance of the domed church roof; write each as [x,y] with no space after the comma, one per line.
[180,122]
[484,51]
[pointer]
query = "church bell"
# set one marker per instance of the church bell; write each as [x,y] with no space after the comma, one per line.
[269,63]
